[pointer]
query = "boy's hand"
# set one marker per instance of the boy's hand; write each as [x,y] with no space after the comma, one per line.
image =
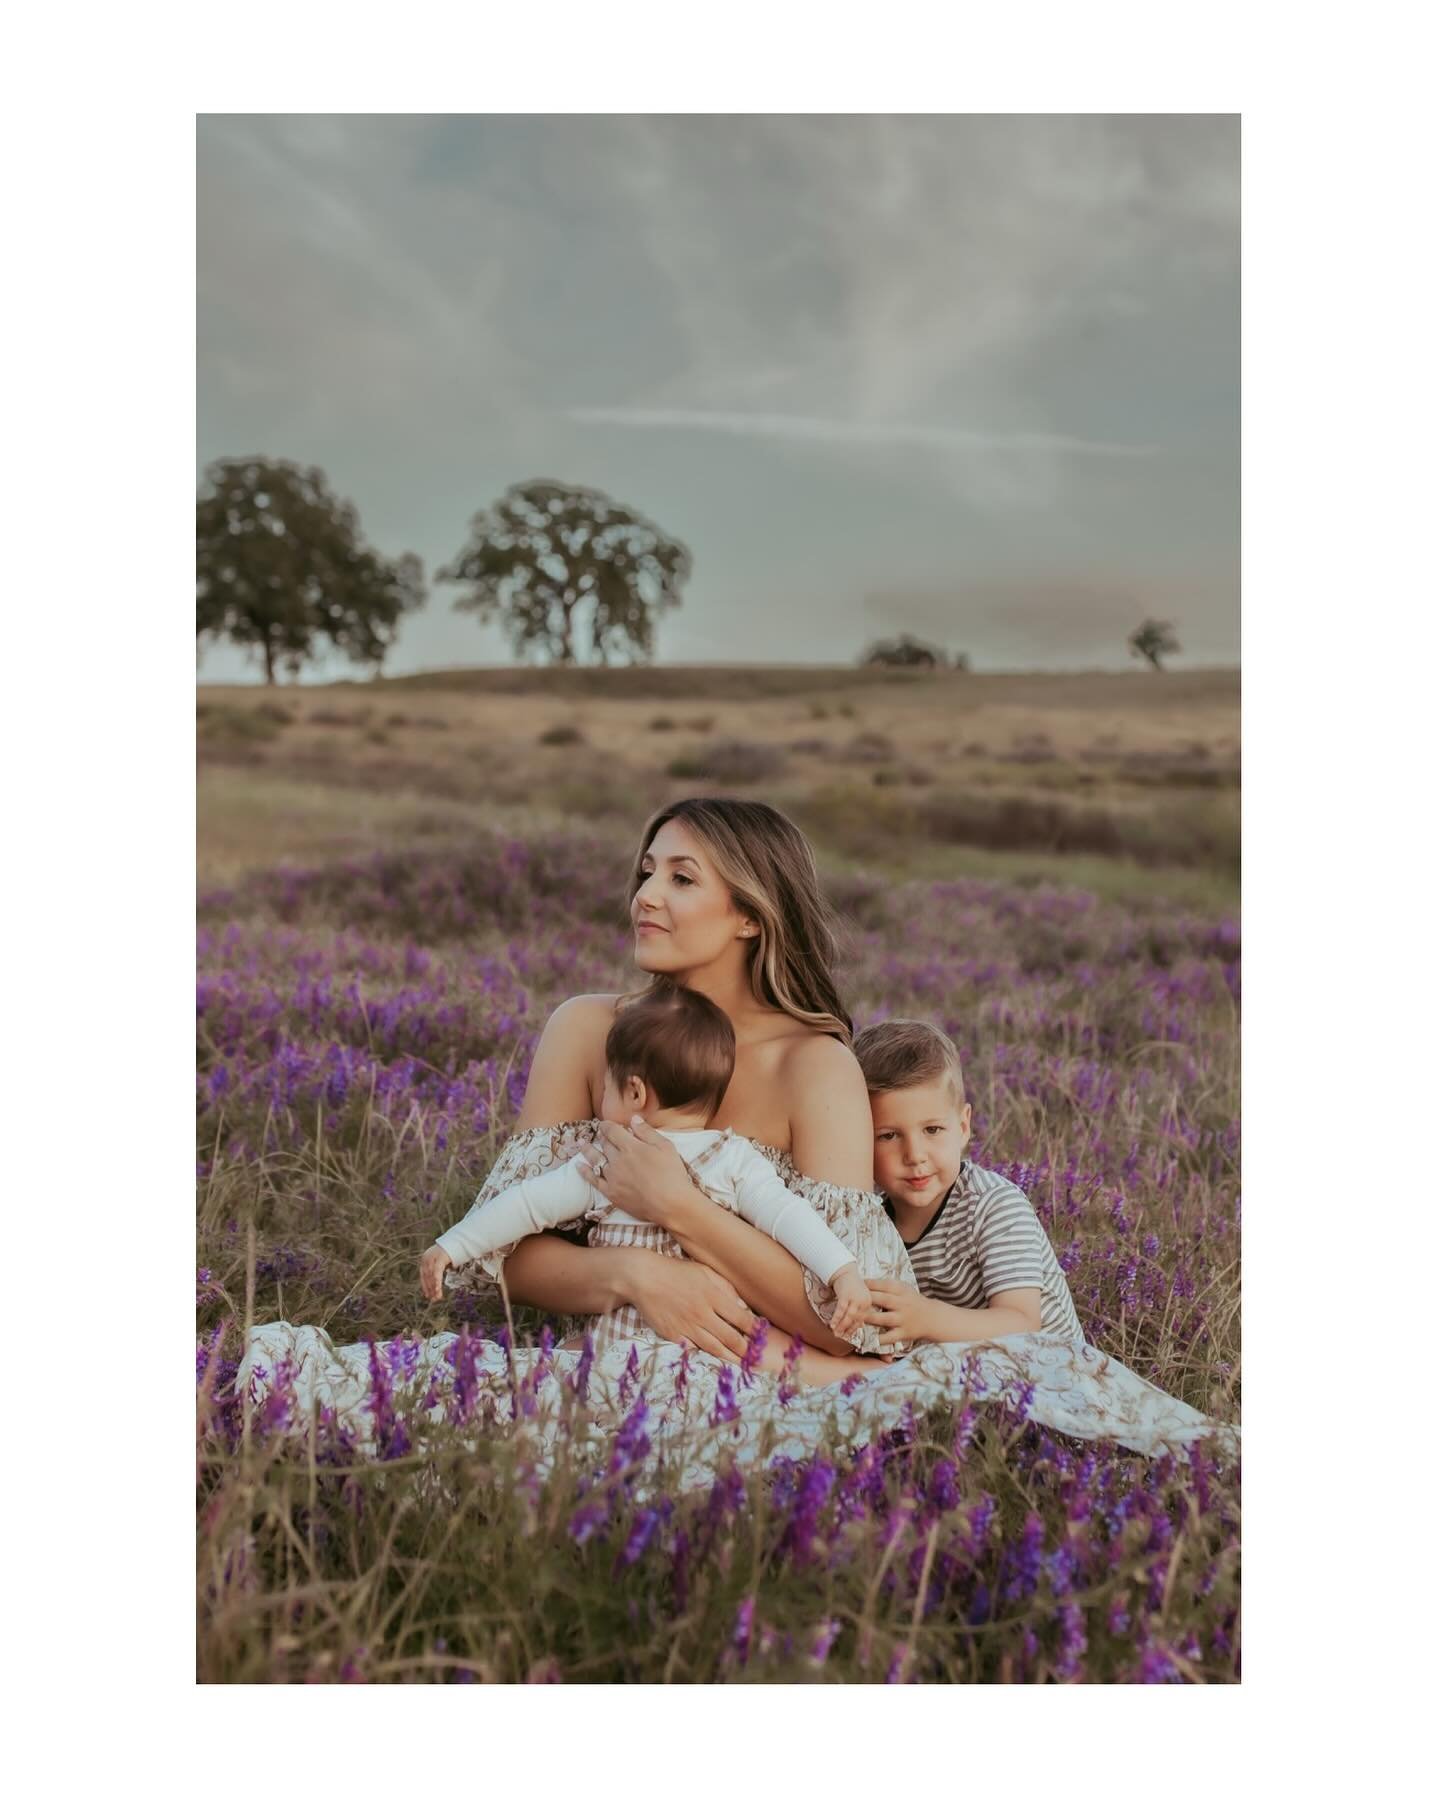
[434,1263]
[899,1311]
[852,1301]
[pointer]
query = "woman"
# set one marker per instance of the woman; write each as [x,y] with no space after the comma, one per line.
[725,899]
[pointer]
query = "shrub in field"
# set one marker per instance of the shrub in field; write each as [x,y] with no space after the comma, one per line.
[365,1034]
[906,775]
[1195,836]
[240,726]
[561,735]
[730,763]
[661,723]
[340,719]
[869,745]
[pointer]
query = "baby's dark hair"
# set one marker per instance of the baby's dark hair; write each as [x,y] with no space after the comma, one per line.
[679,1043]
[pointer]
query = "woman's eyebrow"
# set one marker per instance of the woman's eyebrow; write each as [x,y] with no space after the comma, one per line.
[676,860]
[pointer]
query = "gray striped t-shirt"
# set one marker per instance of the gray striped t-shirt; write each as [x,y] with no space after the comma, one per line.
[984,1239]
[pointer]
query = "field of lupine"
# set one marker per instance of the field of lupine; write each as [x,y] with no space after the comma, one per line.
[365,1031]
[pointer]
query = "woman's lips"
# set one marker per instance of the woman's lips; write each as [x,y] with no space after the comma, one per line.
[650,928]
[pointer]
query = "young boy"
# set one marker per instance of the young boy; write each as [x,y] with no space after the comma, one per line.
[983,1262]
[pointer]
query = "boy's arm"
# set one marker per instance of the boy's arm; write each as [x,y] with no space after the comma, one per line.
[903,1314]
[1012,1312]
[559,1195]
[766,1202]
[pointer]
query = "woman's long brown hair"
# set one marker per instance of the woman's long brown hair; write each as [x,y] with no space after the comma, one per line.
[770,870]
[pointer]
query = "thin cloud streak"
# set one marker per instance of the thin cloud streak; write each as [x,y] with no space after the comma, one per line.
[841,430]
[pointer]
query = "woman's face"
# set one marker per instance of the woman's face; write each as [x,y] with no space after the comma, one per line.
[683,913]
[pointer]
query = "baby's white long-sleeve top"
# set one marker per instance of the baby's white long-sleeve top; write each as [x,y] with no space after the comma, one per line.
[731,1167]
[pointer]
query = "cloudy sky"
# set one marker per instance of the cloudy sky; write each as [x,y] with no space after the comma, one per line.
[975,377]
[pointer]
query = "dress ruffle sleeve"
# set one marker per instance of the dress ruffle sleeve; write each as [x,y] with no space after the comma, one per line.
[525,1155]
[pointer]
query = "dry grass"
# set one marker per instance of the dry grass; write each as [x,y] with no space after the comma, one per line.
[1137,769]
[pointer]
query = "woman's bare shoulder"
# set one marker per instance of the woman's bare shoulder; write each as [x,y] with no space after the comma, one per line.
[569,1065]
[810,1058]
[829,1111]
[587,1010]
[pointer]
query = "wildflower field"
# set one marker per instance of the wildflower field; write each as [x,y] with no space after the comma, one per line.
[365,1029]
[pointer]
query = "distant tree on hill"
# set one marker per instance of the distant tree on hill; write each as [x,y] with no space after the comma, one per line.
[1153,640]
[565,567]
[280,565]
[902,651]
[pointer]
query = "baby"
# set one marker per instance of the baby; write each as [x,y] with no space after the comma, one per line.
[981,1258]
[669,1058]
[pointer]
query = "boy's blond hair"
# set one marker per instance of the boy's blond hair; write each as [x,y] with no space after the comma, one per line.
[896,1055]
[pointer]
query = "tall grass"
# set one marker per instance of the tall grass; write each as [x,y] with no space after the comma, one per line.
[365,1033]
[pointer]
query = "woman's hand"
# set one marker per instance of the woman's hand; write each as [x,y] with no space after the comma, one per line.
[689,1304]
[638,1170]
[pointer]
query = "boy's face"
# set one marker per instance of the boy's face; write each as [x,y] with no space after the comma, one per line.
[921,1134]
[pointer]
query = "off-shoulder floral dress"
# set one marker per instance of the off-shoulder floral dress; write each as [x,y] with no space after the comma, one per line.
[856,1217]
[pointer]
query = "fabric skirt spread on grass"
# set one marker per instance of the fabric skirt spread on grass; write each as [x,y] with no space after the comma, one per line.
[699,1413]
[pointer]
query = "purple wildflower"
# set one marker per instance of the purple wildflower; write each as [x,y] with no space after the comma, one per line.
[1020,1563]
[943,1494]
[811,1494]
[1072,1642]
[587,1520]
[1157,1666]
[754,1348]
[631,1441]
[726,1408]
[744,1624]
[403,1358]
[628,1378]
[580,1377]
[789,1390]
[979,1520]
[642,1531]
[682,1376]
